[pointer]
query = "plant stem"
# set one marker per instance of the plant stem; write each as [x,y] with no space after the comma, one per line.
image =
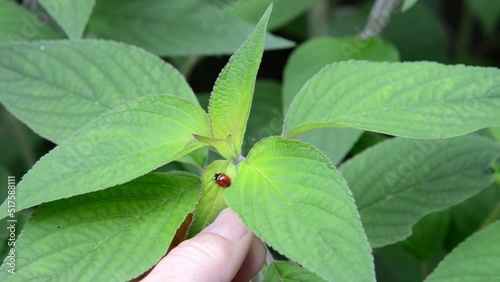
[318,19]
[379,17]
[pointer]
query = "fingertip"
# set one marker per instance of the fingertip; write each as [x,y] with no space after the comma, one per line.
[228,225]
[216,254]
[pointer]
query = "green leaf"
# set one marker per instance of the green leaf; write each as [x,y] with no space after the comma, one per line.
[120,145]
[72,16]
[477,259]
[488,13]
[283,10]
[173,28]
[17,24]
[428,235]
[56,87]
[111,235]
[310,58]
[288,272]
[417,100]
[407,4]
[231,98]
[266,115]
[315,54]
[211,201]
[397,182]
[290,195]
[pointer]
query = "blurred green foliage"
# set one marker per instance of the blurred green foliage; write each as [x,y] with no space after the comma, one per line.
[190,33]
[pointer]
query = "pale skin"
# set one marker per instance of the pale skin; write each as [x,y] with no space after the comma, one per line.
[224,251]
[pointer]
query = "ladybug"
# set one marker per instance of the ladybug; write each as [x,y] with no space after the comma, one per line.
[222,180]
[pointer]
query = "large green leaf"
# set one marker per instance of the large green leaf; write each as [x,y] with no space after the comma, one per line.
[169,28]
[72,16]
[17,24]
[211,201]
[477,259]
[291,196]
[56,87]
[283,11]
[111,235]
[310,58]
[418,100]
[315,54]
[120,145]
[399,181]
[231,97]
[288,272]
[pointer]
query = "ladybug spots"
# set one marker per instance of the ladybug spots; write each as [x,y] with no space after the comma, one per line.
[222,180]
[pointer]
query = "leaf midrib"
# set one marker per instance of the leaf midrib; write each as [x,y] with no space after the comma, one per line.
[291,206]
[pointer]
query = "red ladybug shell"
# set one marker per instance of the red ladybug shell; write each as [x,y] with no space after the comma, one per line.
[222,180]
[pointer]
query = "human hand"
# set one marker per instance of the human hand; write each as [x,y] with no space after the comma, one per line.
[224,251]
